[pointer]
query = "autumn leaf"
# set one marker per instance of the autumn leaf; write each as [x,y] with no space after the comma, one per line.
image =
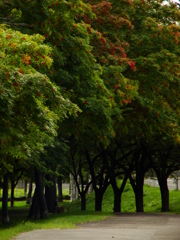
[26,59]
[8,36]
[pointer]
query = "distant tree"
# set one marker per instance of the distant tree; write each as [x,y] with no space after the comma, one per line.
[153,46]
[165,160]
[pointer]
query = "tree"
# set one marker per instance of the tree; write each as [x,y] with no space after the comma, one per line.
[165,160]
[72,53]
[117,62]
[39,207]
[78,167]
[26,130]
[5,215]
[37,119]
[14,179]
[99,174]
[153,46]
[119,163]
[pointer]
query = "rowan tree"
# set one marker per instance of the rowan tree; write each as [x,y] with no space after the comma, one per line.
[107,31]
[31,105]
[152,55]
[154,47]
[74,68]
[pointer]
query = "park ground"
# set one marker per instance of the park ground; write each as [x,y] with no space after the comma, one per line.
[153,223]
[122,226]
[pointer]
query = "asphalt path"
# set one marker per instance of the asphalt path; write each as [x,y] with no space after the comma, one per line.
[122,226]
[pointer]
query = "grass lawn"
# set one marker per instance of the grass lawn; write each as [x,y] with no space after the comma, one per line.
[73,215]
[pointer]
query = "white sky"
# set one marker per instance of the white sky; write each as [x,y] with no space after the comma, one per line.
[175,1]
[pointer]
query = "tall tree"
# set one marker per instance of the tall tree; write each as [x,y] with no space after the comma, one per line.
[152,56]
[26,130]
[153,46]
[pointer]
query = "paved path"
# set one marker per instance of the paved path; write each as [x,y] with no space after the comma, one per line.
[122,226]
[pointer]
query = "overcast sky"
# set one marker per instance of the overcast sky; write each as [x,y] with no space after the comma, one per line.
[177,1]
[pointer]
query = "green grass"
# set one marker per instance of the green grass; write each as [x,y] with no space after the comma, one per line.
[73,215]
[17,192]
[19,223]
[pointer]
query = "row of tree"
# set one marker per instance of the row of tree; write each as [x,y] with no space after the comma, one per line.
[91,87]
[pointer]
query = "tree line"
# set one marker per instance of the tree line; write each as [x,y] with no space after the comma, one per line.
[88,87]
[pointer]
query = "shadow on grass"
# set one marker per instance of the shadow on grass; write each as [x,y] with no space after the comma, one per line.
[20,215]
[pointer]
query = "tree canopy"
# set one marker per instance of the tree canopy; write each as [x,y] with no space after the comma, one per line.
[31,105]
[79,77]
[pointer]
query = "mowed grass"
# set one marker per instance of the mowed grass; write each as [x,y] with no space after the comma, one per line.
[73,215]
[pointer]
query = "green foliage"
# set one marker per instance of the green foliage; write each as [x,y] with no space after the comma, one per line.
[154,47]
[74,68]
[110,47]
[113,64]
[31,103]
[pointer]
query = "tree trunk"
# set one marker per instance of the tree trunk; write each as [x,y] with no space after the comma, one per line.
[98,199]
[99,192]
[83,201]
[5,215]
[34,211]
[12,193]
[50,194]
[139,192]
[117,200]
[164,193]
[38,208]
[25,188]
[142,164]
[118,191]
[29,200]
[60,195]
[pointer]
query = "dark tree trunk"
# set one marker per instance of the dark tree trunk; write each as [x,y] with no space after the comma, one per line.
[55,191]
[5,215]
[12,193]
[142,164]
[139,192]
[118,192]
[25,188]
[117,200]
[29,199]
[164,193]
[50,194]
[34,211]
[99,192]
[98,199]
[60,195]
[40,194]
[163,170]
[38,208]
[83,201]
